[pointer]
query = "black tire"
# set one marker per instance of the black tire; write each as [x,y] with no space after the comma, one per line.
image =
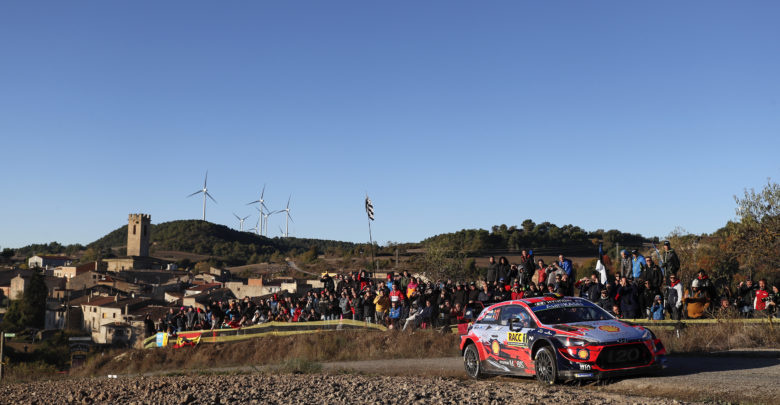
[471,362]
[546,366]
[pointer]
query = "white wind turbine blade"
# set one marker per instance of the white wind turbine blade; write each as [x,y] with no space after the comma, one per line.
[212,198]
[199,191]
[237,217]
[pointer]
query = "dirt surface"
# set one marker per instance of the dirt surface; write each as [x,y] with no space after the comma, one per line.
[302,389]
[734,377]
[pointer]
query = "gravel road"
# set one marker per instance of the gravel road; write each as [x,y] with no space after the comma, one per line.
[414,381]
[302,389]
[736,377]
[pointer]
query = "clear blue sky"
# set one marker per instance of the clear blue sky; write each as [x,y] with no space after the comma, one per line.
[639,116]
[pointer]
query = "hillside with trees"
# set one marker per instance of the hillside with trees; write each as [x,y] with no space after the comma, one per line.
[228,245]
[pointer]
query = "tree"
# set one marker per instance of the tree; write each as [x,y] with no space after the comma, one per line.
[34,302]
[30,310]
[755,236]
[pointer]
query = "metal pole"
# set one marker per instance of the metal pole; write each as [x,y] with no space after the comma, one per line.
[2,352]
[371,240]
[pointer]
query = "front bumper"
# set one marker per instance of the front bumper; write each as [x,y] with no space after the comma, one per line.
[581,374]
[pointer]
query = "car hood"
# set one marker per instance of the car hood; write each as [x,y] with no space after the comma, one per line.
[602,331]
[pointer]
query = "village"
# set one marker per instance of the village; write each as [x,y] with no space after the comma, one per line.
[110,299]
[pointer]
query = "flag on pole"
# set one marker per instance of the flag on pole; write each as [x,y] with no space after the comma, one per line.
[369,209]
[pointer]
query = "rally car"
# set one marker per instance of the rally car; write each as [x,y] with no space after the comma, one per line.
[557,338]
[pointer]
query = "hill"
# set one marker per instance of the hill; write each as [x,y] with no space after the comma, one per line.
[229,245]
[543,238]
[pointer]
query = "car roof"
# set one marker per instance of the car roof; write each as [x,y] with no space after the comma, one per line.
[531,302]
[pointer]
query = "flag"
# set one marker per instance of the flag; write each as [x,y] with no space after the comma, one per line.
[369,209]
[187,339]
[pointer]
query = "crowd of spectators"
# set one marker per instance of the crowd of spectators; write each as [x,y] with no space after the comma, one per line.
[639,288]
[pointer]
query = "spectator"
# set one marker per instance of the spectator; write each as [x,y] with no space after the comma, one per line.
[502,270]
[746,292]
[697,301]
[533,291]
[647,299]
[625,264]
[565,264]
[517,293]
[396,295]
[554,275]
[445,308]
[473,293]
[761,296]
[368,307]
[589,287]
[541,275]
[485,295]
[725,310]
[346,310]
[492,270]
[382,303]
[605,301]
[568,285]
[526,268]
[657,310]
[774,301]
[149,326]
[638,264]
[327,282]
[674,294]
[653,274]
[394,316]
[671,263]
[411,287]
[426,316]
[628,300]
[460,296]
[456,314]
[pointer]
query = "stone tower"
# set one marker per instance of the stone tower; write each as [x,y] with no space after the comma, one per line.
[138,232]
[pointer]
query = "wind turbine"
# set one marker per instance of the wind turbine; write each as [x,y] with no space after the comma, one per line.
[289,218]
[205,192]
[261,201]
[241,221]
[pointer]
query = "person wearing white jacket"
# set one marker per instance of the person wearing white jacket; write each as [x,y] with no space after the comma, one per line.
[674,295]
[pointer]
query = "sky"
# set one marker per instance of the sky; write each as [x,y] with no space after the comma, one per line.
[637,116]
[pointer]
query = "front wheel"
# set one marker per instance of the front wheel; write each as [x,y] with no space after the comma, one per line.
[546,367]
[471,362]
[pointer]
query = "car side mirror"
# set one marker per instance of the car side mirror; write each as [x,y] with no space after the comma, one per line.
[516,325]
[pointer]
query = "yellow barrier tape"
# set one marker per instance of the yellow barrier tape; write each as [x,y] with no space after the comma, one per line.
[247,332]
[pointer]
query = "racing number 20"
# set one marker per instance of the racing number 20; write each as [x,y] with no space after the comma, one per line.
[624,356]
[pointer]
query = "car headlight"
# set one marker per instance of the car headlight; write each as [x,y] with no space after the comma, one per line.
[570,341]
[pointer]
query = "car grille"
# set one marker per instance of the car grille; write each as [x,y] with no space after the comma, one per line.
[623,356]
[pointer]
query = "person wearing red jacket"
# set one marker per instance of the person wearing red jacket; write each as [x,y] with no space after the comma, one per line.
[761,295]
[397,295]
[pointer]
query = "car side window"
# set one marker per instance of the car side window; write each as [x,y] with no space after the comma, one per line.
[490,316]
[518,313]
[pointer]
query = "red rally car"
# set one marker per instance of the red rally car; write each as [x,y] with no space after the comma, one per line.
[557,338]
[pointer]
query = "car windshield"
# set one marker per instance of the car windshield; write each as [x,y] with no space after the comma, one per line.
[551,315]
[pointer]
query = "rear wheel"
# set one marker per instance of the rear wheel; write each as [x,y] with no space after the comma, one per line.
[546,367]
[471,362]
